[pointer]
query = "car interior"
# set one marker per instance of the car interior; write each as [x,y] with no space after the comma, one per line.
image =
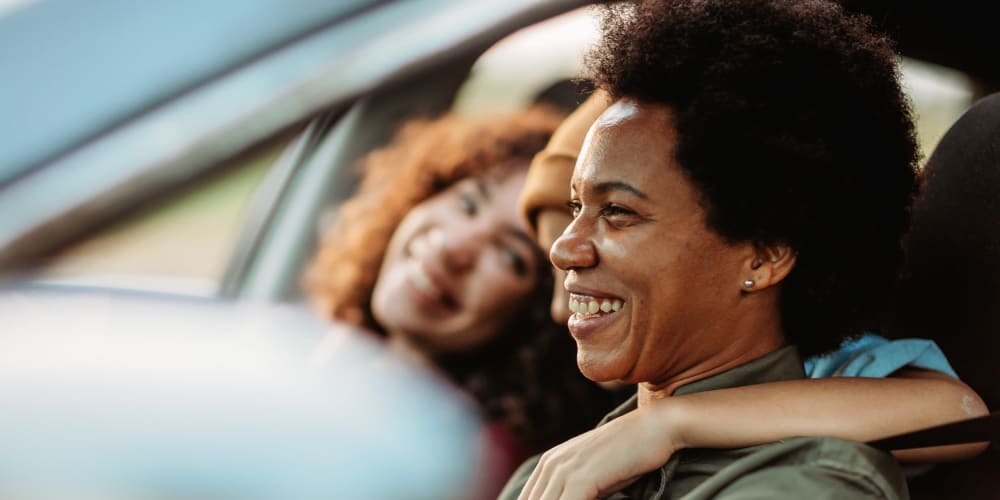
[244,228]
[249,197]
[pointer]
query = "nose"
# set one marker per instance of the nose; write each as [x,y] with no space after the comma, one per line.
[573,250]
[459,249]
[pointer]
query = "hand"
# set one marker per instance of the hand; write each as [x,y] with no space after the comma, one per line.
[606,459]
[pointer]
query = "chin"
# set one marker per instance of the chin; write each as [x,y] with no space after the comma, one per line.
[596,370]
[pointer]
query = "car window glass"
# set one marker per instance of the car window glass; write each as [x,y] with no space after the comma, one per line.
[939,95]
[522,66]
[180,244]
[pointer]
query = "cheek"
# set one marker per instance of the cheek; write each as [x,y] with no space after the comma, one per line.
[615,248]
[495,292]
[412,223]
[492,301]
[640,262]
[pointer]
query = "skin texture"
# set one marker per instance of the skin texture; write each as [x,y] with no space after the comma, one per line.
[638,220]
[457,267]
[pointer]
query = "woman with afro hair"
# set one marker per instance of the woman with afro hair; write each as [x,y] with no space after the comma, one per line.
[773,130]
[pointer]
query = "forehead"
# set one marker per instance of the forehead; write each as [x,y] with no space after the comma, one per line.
[503,191]
[632,140]
[498,190]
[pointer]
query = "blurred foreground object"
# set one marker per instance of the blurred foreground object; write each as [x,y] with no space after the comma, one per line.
[122,396]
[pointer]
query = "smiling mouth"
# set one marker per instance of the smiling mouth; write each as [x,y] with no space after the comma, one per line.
[587,306]
[422,282]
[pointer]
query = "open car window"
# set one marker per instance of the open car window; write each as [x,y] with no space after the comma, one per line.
[181,243]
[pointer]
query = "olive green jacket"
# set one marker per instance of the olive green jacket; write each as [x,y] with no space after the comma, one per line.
[805,467]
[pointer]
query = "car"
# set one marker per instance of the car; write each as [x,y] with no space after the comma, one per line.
[168,168]
[164,177]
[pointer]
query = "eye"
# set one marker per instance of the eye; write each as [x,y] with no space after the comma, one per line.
[612,210]
[618,215]
[574,207]
[469,205]
[514,260]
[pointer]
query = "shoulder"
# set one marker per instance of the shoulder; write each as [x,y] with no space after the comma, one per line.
[809,467]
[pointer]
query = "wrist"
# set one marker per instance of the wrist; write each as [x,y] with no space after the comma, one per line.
[675,416]
[665,423]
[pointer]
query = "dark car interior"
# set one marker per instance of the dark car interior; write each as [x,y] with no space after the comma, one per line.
[953,285]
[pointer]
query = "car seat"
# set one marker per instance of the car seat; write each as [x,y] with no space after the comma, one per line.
[950,288]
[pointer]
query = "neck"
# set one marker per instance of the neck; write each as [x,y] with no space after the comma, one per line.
[748,334]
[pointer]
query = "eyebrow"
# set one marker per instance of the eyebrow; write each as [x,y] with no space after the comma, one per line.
[608,186]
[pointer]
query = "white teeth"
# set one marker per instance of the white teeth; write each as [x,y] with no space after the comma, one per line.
[577,306]
[593,306]
[423,283]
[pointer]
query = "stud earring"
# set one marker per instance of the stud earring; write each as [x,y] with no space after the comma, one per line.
[748,284]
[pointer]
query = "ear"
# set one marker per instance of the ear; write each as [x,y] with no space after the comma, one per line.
[768,266]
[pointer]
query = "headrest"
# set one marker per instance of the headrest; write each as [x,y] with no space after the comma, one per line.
[950,287]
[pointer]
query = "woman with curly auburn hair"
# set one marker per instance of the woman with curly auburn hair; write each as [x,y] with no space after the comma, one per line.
[431,255]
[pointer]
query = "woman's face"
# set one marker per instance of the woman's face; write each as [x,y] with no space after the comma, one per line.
[656,283]
[459,266]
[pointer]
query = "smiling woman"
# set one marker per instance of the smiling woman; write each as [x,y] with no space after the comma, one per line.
[625,205]
[458,266]
[739,203]
[432,255]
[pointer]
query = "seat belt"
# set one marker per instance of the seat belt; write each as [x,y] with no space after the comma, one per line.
[973,430]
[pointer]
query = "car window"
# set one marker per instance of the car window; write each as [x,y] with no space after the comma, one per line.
[184,243]
[179,244]
[522,66]
[939,95]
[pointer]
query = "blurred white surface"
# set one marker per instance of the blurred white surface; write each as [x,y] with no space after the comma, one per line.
[112,396]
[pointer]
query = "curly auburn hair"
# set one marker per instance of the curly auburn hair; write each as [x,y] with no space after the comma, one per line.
[792,125]
[527,376]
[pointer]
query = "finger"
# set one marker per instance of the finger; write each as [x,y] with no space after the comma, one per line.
[528,492]
[533,488]
[574,480]
[553,486]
